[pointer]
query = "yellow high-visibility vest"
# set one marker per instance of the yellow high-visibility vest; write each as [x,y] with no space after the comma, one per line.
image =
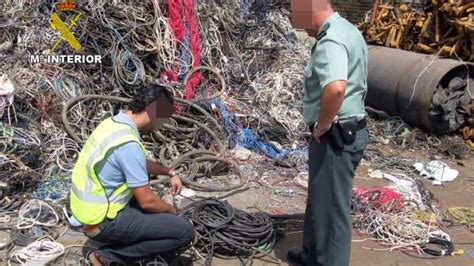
[89,201]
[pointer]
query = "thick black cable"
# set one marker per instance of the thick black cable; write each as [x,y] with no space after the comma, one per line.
[226,232]
[446,247]
[24,237]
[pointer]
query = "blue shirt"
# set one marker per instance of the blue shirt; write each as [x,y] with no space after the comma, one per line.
[125,163]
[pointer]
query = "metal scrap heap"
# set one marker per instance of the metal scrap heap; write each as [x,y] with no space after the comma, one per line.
[444,27]
[237,67]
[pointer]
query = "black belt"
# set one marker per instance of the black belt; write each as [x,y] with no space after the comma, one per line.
[361,125]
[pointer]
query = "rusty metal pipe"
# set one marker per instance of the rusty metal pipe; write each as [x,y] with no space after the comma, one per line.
[393,74]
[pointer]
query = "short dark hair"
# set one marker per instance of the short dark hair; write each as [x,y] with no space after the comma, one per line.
[147,95]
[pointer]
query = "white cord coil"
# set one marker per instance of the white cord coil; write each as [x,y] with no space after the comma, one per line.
[37,212]
[38,253]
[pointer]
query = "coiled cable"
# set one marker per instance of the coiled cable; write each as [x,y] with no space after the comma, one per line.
[226,232]
[37,212]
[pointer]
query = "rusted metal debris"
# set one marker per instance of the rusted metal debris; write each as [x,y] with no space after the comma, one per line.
[444,27]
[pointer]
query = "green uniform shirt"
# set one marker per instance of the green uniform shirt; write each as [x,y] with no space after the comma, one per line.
[340,53]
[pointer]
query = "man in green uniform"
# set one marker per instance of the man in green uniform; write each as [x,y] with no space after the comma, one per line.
[335,90]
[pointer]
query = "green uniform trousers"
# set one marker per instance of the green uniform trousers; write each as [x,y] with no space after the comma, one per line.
[327,225]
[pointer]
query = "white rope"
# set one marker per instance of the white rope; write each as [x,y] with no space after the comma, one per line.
[38,253]
[36,212]
[4,218]
[436,57]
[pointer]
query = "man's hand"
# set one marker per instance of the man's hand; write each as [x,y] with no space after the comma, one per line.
[331,101]
[173,210]
[318,132]
[176,185]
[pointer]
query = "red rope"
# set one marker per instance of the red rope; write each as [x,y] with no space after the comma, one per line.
[169,75]
[175,8]
[195,43]
[382,195]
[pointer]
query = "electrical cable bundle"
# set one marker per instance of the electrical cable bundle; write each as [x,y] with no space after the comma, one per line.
[37,212]
[186,144]
[27,224]
[463,216]
[192,43]
[193,165]
[226,232]
[374,197]
[288,223]
[36,220]
[38,253]
[8,209]
[10,204]
[446,247]
[24,237]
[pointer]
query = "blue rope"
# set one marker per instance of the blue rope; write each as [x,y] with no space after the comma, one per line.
[247,137]
[54,189]
[185,53]
[228,119]
[246,4]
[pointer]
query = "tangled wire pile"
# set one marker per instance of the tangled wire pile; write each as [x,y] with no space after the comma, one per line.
[387,216]
[462,216]
[224,63]
[225,232]
[394,131]
[39,252]
[32,226]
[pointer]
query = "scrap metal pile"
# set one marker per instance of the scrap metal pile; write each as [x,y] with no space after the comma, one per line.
[235,68]
[397,133]
[444,27]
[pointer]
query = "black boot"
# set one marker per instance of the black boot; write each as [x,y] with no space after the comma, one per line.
[295,257]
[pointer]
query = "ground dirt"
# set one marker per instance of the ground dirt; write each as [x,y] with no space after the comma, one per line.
[459,193]
[264,196]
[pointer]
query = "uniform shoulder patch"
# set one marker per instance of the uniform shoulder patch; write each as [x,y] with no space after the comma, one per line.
[323,31]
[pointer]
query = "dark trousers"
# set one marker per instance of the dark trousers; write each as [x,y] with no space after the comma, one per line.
[136,234]
[327,225]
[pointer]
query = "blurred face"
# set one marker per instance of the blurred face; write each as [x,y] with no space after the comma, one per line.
[150,117]
[158,114]
[308,14]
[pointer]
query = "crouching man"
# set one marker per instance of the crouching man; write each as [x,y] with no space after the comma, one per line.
[111,198]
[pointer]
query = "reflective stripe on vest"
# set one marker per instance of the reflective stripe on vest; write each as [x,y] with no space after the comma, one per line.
[121,199]
[87,195]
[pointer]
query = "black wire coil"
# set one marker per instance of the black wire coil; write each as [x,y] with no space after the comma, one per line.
[226,232]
